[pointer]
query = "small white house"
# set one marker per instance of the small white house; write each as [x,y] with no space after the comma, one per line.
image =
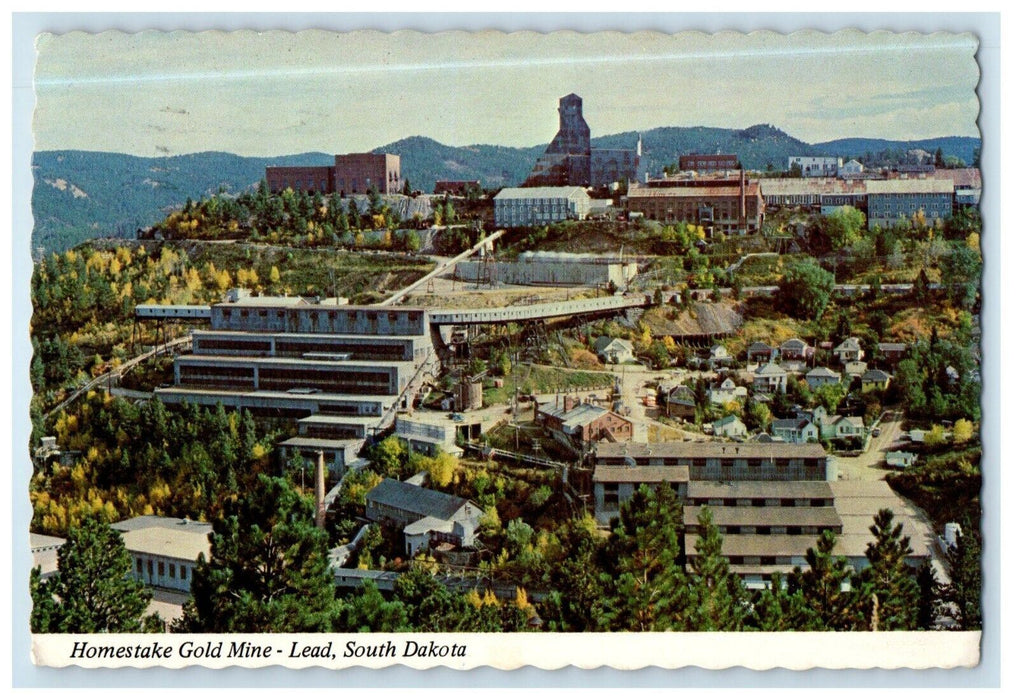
[730,427]
[613,351]
[900,460]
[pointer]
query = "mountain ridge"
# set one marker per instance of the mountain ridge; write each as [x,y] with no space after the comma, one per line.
[78,195]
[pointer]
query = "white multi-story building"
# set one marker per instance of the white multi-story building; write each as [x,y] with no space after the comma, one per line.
[816,166]
[534,206]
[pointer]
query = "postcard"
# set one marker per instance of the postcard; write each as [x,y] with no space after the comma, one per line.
[505,349]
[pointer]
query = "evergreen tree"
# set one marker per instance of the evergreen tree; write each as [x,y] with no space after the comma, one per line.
[822,586]
[889,594]
[268,570]
[575,592]
[927,602]
[718,598]
[645,584]
[962,593]
[779,609]
[93,590]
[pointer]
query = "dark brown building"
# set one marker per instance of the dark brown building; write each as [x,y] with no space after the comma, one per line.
[353,173]
[709,163]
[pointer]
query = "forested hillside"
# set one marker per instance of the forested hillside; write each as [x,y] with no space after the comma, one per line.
[80,195]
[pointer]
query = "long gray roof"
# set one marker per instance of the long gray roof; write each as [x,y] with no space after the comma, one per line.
[415,499]
[760,489]
[699,450]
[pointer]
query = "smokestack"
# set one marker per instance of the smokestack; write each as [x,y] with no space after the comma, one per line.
[320,492]
[742,203]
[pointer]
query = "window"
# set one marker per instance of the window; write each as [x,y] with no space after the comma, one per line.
[173,571]
[162,569]
[149,566]
[138,563]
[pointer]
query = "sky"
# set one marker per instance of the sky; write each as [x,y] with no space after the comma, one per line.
[275,93]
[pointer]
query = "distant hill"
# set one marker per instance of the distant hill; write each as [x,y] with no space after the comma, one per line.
[83,194]
[961,147]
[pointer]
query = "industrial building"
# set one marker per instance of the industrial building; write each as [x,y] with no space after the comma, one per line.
[535,206]
[570,160]
[621,467]
[552,269]
[164,550]
[726,205]
[426,517]
[889,201]
[705,162]
[769,501]
[339,371]
[353,173]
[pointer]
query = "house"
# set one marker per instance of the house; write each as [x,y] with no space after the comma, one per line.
[849,350]
[680,402]
[853,167]
[726,391]
[794,349]
[841,427]
[760,352]
[795,430]
[582,422]
[770,378]
[891,353]
[731,427]
[164,550]
[820,376]
[875,380]
[718,355]
[614,351]
[425,516]
[900,460]
[855,368]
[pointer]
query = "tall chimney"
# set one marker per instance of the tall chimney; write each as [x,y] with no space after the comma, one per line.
[320,492]
[742,203]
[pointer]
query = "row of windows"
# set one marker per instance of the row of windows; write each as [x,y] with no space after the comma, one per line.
[160,569]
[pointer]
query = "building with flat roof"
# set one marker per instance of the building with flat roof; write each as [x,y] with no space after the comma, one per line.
[681,464]
[164,550]
[353,173]
[889,201]
[549,268]
[705,162]
[340,371]
[535,206]
[729,206]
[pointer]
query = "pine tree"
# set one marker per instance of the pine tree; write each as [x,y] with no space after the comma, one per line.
[779,609]
[645,584]
[268,570]
[889,593]
[962,593]
[822,586]
[927,603]
[718,596]
[93,590]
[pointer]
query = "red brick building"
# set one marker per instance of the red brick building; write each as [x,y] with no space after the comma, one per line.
[583,422]
[353,173]
[729,206]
